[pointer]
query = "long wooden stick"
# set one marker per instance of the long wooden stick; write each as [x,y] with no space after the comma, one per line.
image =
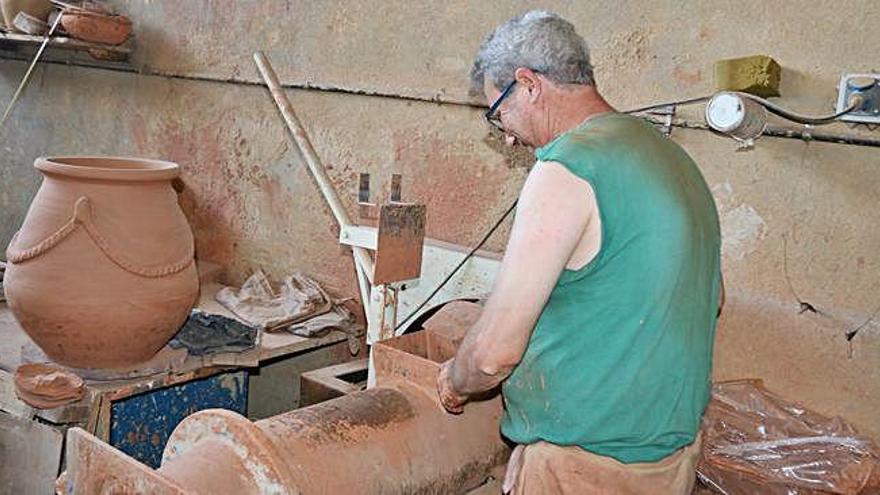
[308,152]
[27,75]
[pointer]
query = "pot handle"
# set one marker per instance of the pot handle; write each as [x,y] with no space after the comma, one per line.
[82,217]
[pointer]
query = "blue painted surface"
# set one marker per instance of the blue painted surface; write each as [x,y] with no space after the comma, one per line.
[140,425]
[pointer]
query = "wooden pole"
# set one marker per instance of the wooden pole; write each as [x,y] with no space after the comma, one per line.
[361,255]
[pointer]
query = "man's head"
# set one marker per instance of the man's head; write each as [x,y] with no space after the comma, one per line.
[538,58]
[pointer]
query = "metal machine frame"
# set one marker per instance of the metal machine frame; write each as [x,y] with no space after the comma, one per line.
[407,267]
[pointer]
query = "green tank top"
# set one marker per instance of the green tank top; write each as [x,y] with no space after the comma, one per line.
[619,362]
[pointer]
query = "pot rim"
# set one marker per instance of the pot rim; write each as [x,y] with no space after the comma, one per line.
[116,168]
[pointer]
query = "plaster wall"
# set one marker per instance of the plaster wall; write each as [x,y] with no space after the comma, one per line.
[381,87]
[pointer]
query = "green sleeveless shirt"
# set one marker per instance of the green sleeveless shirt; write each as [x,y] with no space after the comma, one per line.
[620,360]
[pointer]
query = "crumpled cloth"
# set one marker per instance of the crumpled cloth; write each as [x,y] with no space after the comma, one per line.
[339,318]
[259,304]
[205,333]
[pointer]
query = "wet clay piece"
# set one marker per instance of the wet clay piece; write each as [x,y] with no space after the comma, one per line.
[45,386]
[101,273]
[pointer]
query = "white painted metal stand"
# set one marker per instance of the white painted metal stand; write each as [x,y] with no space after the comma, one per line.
[387,305]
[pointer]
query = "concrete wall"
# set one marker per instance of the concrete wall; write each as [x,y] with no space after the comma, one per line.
[389,95]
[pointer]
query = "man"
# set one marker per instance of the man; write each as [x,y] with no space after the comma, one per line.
[601,322]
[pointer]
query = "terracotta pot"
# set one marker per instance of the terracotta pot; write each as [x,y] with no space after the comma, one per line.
[37,8]
[96,27]
[101,273]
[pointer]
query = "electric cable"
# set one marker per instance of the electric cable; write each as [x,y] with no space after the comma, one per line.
[855,102]
[460,264]
[689,101]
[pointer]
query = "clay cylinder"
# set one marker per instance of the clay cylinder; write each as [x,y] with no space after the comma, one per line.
[388,440]
[101,273]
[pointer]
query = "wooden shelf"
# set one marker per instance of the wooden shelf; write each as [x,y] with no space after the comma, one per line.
[15,345]
[63,49]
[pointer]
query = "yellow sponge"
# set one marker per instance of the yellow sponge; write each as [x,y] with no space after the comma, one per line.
[757,74]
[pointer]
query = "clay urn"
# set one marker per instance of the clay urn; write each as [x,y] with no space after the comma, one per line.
[38,9]
[96,27]
[101,273]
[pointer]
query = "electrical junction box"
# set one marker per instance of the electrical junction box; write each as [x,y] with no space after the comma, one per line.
[866,85]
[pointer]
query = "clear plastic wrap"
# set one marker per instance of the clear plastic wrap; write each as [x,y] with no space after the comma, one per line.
[755,442]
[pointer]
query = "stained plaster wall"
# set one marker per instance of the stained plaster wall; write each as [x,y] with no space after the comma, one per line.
[389,95]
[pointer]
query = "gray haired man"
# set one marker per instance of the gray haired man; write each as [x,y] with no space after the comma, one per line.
[601,322]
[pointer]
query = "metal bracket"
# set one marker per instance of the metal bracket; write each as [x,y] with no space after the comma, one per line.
[669,113]
[368,211]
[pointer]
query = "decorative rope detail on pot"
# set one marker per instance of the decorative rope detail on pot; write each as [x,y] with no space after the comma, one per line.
[82,216]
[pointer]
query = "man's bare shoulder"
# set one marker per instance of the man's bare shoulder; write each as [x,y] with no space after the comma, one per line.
[552,177]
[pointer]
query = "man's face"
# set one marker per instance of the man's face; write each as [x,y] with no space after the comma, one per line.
[510,113]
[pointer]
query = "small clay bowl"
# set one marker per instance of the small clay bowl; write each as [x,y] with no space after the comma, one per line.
[96,27]
[46,386]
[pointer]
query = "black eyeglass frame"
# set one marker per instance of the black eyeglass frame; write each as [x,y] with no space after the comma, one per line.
[490,113]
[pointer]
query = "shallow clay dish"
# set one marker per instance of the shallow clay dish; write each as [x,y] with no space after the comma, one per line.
[45,386]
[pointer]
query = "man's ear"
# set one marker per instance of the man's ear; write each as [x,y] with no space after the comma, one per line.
[530,81]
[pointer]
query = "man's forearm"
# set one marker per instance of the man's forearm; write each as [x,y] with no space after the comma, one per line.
[469,380]
[474,368]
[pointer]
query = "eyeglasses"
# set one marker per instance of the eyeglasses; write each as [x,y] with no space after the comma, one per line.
[491,118]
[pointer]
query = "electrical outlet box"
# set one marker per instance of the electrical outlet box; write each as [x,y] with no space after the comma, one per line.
[866,85]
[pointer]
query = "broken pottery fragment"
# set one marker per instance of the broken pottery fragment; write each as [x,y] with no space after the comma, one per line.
[101,273]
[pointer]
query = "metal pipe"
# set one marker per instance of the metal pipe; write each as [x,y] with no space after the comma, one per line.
[781,132]
[848,139]
[308,152]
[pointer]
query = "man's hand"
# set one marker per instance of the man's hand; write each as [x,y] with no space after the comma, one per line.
[451,401]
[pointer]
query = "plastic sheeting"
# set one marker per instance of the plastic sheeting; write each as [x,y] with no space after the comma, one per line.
[757,442]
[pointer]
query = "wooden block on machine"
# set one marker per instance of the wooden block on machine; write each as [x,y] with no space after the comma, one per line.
[401,238]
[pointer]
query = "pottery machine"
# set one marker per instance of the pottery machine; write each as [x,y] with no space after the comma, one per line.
[393,438]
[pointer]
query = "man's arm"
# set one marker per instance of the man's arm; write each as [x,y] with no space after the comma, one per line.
[554,210]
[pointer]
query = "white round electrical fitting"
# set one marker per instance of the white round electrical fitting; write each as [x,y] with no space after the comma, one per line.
[736,116]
